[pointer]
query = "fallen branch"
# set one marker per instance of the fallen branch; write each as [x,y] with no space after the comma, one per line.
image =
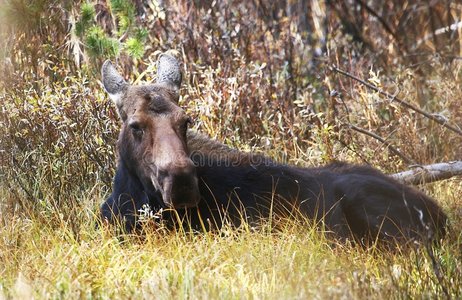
[435,118]
[429,173]
[452,27]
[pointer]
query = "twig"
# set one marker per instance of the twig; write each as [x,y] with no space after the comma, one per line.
[439,31]
[429,173]
[387,144]
[437,269]
[381,21]
[434,118]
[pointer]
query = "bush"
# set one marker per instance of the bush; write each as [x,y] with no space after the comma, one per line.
[257,77]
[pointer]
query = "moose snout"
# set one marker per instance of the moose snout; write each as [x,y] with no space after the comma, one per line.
[180,186]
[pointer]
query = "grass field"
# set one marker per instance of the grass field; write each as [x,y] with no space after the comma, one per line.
[50,246]
[41,258]
[257,76]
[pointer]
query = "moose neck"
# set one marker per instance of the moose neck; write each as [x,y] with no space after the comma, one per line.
[205,151]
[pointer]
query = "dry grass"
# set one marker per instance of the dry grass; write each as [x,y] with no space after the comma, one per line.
[49,260]
[253,85]
[50,248]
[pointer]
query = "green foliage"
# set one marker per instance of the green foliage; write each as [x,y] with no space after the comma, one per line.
[125,12]
[134,48]
[100,43]
[123,7]
[141,34]
[135,45]
[87,16]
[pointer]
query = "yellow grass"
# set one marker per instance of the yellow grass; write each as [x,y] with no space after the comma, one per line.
[57,157]
[44,259]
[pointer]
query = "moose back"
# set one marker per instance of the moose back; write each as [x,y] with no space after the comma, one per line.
[162,164]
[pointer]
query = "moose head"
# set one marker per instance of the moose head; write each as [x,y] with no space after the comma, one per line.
[152,143]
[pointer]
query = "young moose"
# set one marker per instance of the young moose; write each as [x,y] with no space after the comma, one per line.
[164,165]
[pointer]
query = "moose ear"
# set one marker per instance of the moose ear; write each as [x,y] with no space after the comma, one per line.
[168,71]
[113,82]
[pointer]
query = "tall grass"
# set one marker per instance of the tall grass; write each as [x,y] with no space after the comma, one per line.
[255,85]
[45,261]
[58,158]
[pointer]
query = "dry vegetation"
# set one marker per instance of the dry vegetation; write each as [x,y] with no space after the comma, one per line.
[257,77]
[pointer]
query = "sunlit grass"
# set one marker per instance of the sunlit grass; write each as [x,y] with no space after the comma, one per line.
[58,134]
[55,260]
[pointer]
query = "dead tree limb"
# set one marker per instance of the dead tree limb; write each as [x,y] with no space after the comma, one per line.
[429,173]
[435,118]
[385,142]
[452,27]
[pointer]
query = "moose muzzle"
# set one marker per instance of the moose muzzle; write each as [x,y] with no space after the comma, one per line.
[179,185]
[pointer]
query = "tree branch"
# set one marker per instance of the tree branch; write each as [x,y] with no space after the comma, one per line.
[387,144]
[381,21]
[435,118]
[429,173]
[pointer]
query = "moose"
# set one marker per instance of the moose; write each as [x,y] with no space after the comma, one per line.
[166,166]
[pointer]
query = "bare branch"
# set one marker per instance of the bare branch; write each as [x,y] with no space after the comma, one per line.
[429,173]
[381,21]
[439,31]
[387,144]
[432,117]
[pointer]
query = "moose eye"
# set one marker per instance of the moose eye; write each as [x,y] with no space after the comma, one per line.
[184,126]
[137,130]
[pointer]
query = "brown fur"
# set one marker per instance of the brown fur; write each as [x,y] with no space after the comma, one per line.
[162,165]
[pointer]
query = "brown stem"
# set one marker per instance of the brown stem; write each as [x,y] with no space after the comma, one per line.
[387,144]
[402,102]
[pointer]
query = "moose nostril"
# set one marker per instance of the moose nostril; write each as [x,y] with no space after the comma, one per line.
[162,174]
[180,184]
[184,191]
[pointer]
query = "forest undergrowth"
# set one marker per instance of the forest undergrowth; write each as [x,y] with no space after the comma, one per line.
[257,76]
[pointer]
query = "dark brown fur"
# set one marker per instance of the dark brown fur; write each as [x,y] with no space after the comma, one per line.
[163,165]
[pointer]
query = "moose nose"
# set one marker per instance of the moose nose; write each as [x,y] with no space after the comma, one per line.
[180,185]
